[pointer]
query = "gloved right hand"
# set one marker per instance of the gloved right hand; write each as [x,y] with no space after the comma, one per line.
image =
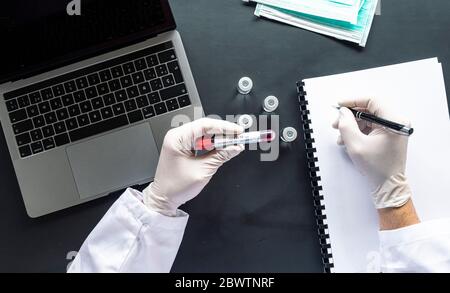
[377,152]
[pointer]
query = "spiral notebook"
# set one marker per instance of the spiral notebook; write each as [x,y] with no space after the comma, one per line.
[346,219]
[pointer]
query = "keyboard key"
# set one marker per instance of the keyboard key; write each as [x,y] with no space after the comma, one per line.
[152,60]
[32,111]
[153,98]
[95,116]
[48,131]
[128,68]
[71,123]
[184,101]
[18,115]
[93,79]
[39,121]
[23,101]
[160,108]
[70,86]
[59,127]
[140,64]
[150,74]
[173,92]
[83,120]
[58,90]
[23,126]
[148,112]
[132,92]
[121,95]
[114,85]
[79,96]
[109,99]
[35,98]
[12,105]
[105,75]
[102,89]
[161,70]
[126,81]
[172,104]
[174,68]
[82,83]
[156,84]
[44,107]
[25,151]
[107,112]
[117,71]
[144,88]
[74,110]
[50,118]
[36,134]
[62,114]
[142,101]
[48,143]
[135,116]
[91,92]
[130,105]
[138,77]
[98,128]
[37,147]
[167,56]
[56,103]
[168,80]
[23,138]
[46,94]
[97,103]
[68,100]
[118,109]
[62,139]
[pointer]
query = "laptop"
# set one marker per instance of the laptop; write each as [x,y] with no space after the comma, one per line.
[88,90]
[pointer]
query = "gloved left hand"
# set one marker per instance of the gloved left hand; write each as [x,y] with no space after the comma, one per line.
[180,176]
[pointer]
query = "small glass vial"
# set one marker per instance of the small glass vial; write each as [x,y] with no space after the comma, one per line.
[289,134]
[270,104]
[246,121]
[245,85]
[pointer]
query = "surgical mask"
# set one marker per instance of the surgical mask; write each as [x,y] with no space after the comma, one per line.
[354,31]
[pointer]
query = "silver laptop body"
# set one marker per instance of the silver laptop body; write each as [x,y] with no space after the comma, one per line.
[79,171]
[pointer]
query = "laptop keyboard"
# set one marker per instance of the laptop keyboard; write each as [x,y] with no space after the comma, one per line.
[96,99]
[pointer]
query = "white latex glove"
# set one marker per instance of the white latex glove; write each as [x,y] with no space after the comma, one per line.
[377,152]
[180,176]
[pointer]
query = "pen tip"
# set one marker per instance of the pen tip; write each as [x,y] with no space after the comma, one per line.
[336,107]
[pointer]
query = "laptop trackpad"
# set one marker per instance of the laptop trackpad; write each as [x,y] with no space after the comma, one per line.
[114,161]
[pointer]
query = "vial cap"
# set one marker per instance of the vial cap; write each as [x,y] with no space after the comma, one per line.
[245,85]
[271,104]
[246,121]
[289,134]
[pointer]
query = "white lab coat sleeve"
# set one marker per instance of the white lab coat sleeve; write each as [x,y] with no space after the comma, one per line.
[424,247]
[131,238]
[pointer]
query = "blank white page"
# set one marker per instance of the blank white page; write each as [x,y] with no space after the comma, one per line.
[417,90]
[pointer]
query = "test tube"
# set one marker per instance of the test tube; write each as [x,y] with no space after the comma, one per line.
[245,85]
[289,134]
[270,104]
[246,121]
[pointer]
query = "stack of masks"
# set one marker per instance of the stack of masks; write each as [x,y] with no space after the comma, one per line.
[348,20]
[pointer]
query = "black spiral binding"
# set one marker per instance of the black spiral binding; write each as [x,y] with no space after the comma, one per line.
[313,166]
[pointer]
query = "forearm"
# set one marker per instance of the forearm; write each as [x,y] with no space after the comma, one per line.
[131,238]
[395,218]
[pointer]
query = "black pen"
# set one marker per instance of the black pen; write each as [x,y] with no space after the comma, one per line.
[395,127]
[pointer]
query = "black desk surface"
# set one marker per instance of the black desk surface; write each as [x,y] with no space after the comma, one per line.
[253,216]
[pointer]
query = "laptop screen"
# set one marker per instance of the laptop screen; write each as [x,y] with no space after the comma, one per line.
[38,35]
